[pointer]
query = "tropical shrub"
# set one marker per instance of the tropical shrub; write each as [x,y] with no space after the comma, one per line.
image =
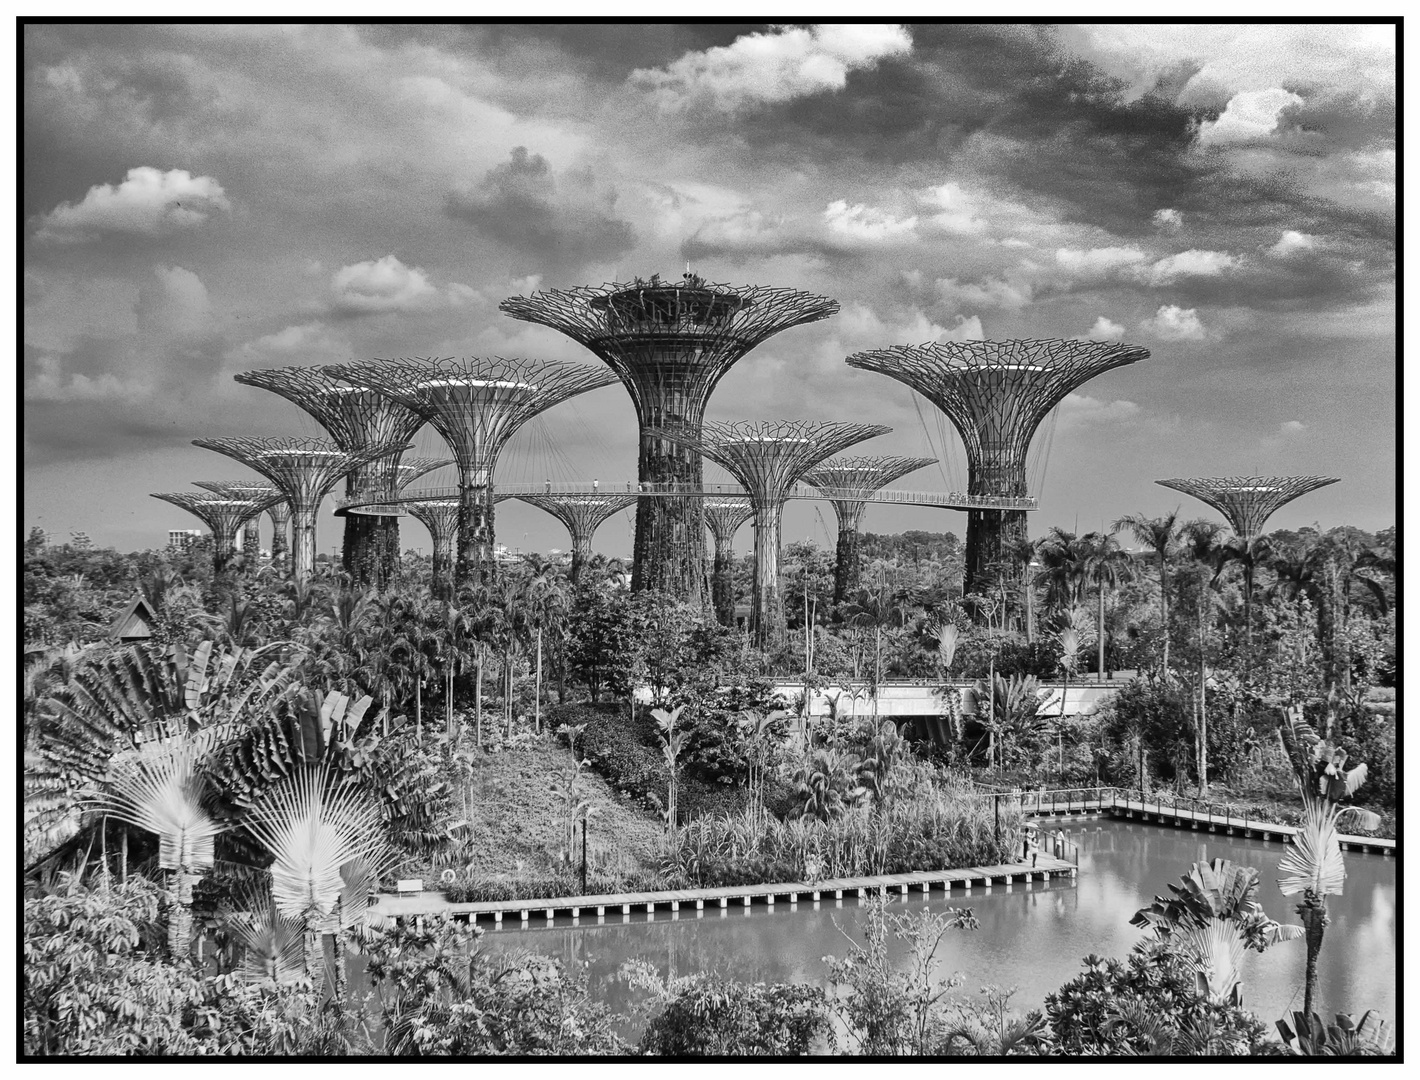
[704,1015]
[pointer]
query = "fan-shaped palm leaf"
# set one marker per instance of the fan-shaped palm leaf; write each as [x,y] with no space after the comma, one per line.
[272,944]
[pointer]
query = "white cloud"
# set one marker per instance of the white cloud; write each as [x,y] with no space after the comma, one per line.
[50,384]
[1097,262]
[994,292]
[1173,323]
[1104,330]
[1168,219]
[386,284]
[1291,427]
[867,224]
[1291,242]
[957,211]
[1253,114]
[1192,263]
[1078,409]
[966,329]
[176,304]
[777,66]
[147,203]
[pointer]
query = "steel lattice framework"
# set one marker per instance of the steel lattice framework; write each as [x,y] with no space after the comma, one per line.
[304,471]
[223,514]
[355,416]
[849,482]
[252,489]
[441,518]
[1248,501]
[768,458]
[670,344]
[725,516]
[996,393]
[477,405]
[582,517]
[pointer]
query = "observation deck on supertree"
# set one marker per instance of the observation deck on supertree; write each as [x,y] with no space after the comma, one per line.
[670,343]
[768,458]
[725,516]
[582,517]
[222,514]
[304,471]
[255,489]
[996,393]
[355,416]
[848,483]
[1248,501]
[477,405]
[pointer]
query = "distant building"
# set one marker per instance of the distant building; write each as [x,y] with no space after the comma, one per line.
[182,539]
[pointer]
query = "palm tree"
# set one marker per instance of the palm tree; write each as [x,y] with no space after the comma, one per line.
[1106,564]
[1069,641]
[877,610]
[1199,543]
[1018,554]
[1248,554]
[1061,557]
[545,595]
[1313,865]
[1161,535]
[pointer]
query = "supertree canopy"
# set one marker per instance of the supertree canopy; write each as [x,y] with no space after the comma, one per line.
[223,514]
[304,471]
[768,458]
[477,405]
[582,516]
[355,417]
[1248,501]
[725,516]
[670,343]
[849,482]
[996,393]
[255,489]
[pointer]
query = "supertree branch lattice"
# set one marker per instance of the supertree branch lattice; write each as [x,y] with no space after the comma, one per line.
[304,471]
[725,516]
[1248,501]
[355,416]
[996,393]
[222,514]
[582,517]
[441,518]
[477,405]
[849,482]
[670,343]
[768,458]
[251,533]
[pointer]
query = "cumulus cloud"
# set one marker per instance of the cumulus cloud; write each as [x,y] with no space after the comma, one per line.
[993,292]
[1104,330]
[50,382]
[175,303]
[386,284]
[1081,409]
[867,224]
[772,67]
[308,342]
[1293,426]
[1169,219]
[148,203]
[522,204]
[1192,263]
[955,210]
[1251,115]
[1097,262]
[1291,242]
[1173,323]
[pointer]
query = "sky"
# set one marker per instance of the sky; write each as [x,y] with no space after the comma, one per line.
[203,200]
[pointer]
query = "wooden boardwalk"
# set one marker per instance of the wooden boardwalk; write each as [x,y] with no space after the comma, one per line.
[792,892]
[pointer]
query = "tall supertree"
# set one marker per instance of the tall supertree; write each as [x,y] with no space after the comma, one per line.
[670,343]
[304,471]
[996,393]
[725,516]
[223,514]
[439,513]
[769,458]
[477,405]
[254,489]
[1248,501]
[582,515]
[849,482]
[355,416]
[387,515]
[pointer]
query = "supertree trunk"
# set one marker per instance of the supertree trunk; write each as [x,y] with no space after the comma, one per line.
[280,522]
[987,534]
[474,560]
[722,585]
[581,552]
[768,610]
[303,543]
[848,565]
[358,556]
[669,552]
[387,548]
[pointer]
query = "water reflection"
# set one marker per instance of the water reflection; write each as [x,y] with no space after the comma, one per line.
[1031,936]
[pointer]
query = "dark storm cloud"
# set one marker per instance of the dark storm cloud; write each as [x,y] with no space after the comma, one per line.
[519,203]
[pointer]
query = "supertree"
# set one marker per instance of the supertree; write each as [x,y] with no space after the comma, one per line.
[769,458]
[304,471]
[439,513]
[996,393]
[387,515]
[278,512]
[670,343]
[849,482]
[1248,501]
[355,416]
[725,516]
[222,514]
[477,405]
[582,515]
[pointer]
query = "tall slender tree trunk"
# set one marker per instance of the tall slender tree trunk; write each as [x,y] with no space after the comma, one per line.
[478,696]
[1164,606]
[537,687]
[419,708]
[123,854]
[1314,919]
[180,917]
[1202,703]
[1100,674]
